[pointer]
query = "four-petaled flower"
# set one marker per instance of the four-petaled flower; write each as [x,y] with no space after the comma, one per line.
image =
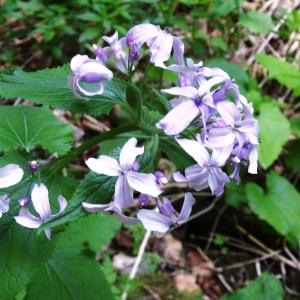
[41,204]
[164,216]
[126,171]
[207,172]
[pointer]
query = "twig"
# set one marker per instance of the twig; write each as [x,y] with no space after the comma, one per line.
[199,213]
[225,283]
[137,262]
[248,262]
[269,250]
[270,36]
[214,227]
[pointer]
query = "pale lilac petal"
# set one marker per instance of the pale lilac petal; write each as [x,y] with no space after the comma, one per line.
[96,207]
[179,118]
[129,153]
[48,232]
[62,202]
[186,210]
[176,101]
[212,72]
[4,204]
[178,50]
[178,177]
[123,193]
[26,219]
[221,137]
[185,91]
[206,86]
[195,150]
[220,156]
[228,112]
[40,201]
[10,175]
[249,126]
[143,183]
[160,49]
[217,180]
[154,221]
[253,156]
[197,177]
[105,165]
[143,33]
[77,61]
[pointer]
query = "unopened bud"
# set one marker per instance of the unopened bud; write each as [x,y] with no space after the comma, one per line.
[33,166]
[23,201]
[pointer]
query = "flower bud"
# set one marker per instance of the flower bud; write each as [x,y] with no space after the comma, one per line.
[144,199]
[33,166]
[23,201]
[160,177]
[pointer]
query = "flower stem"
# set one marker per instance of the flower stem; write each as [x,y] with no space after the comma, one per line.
[69,157]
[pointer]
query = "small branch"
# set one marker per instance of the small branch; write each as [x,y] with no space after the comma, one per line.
[267,249]
[137,262]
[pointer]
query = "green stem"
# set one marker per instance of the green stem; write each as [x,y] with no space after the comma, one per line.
[66,159]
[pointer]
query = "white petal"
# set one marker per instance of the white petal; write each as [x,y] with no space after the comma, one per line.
[154,221]
[143,33]
[77,61]
[129,153]
[195,150]
[4,204]
[96,207]
[228,112]
[185,91]
[206,86]
[212,72]
[40,201]
[186,210]
[161,48]
[62,202]
[48,233]
[253,156]
[123,193]
[10,175]
[179,118]
[143,183]
[105,165]
[26,219]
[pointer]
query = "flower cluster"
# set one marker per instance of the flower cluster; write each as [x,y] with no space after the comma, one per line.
[205,97]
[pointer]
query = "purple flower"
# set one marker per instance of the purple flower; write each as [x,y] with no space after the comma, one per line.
[235,132]
[160,43]
[126,171]
[86,70]
[207,172]
[116,49]
[164,216]
[10,175]
[4,204]
[40,201]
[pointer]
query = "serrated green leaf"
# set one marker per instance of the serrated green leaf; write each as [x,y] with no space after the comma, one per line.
[20,253]
[279,206]
[274,133]
[70,274]
[27,127]
[284,72]
[51,87]
[256,22]
[265,287]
